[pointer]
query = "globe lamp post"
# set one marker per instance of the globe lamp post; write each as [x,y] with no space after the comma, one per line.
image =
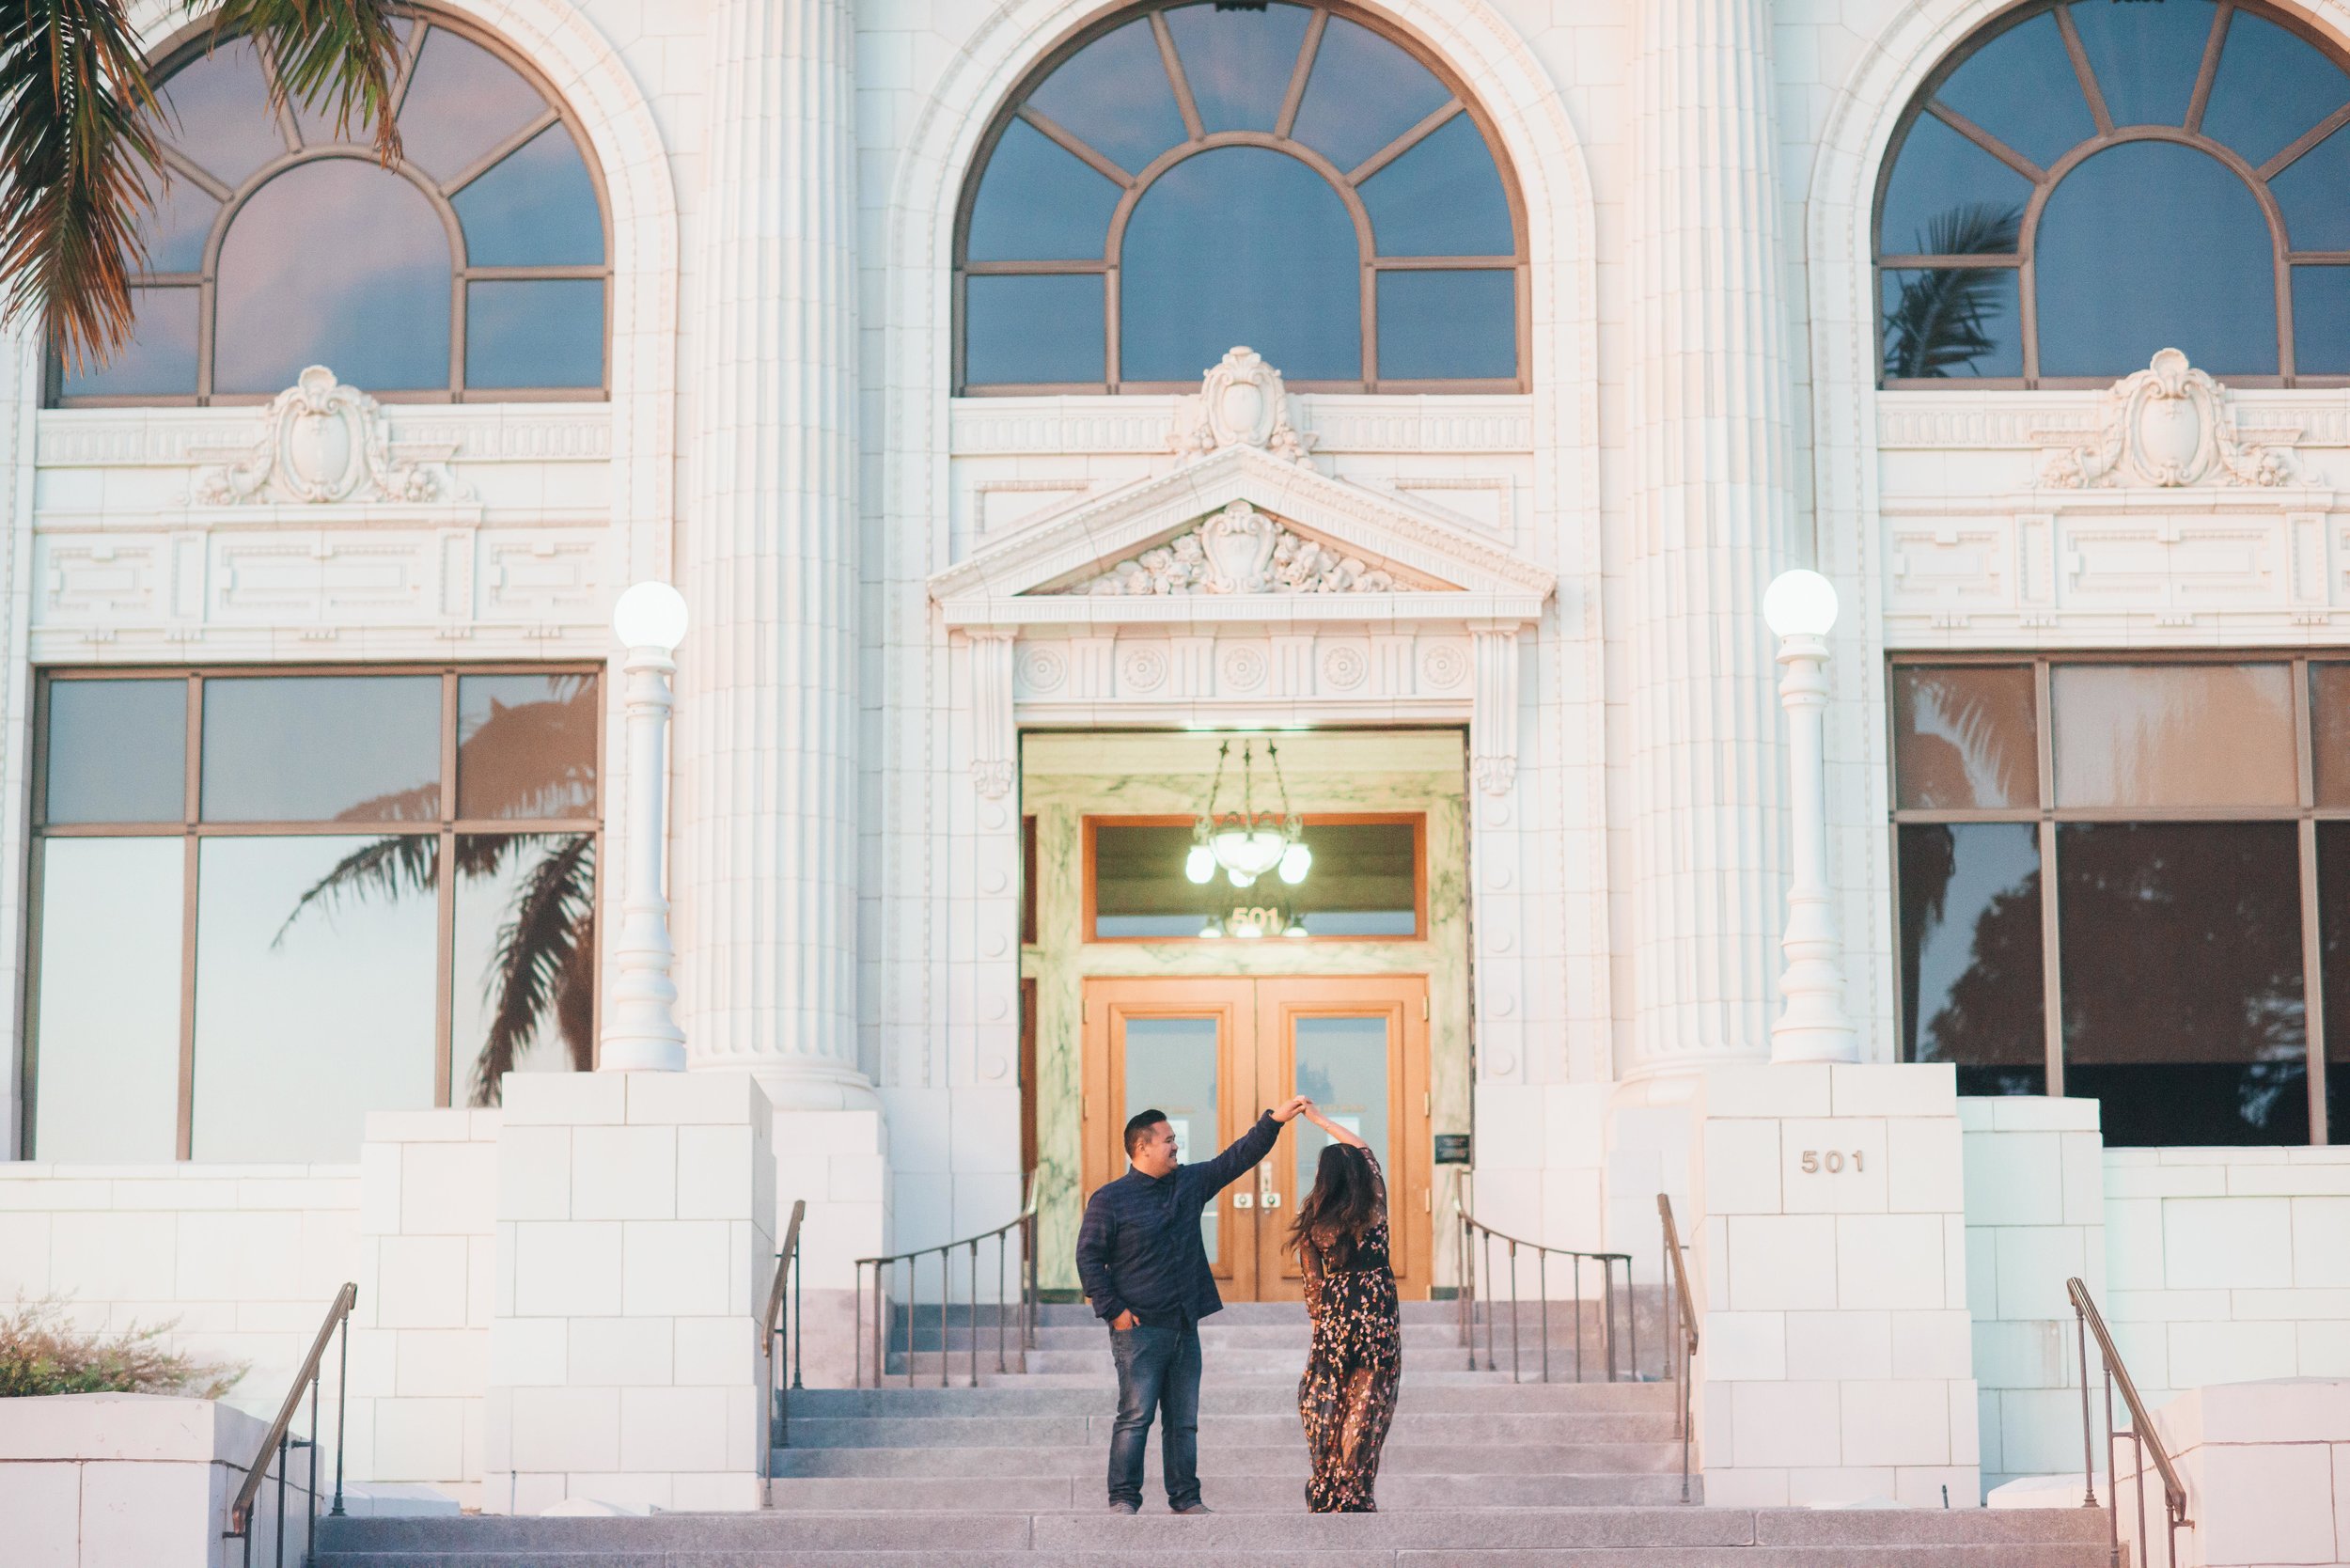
[1800,608]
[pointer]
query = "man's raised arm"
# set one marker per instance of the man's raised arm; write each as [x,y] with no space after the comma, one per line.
[1250,1147]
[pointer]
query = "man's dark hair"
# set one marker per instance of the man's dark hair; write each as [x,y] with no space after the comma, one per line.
[1139,1124]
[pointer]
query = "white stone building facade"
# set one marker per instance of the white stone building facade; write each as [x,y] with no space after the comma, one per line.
[899,572]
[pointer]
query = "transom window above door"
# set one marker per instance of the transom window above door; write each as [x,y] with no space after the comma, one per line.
[1184,177]
[474,269]
[2084,183]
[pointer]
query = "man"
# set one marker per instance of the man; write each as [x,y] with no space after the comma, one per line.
[1140,1259]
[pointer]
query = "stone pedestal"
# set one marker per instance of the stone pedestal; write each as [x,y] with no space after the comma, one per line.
[1829,1225]
[2266,1468]
[838,1163]
[635,1241]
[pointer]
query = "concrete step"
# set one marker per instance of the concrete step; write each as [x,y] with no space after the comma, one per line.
[966,1432]
[1220,1398]
[1238,1493]
[1669,1537]
[1273,1459]
[1215,1334]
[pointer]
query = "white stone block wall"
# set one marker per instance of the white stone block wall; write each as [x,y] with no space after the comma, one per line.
[1836,1358]
[2228,1265]
[1540,1154]
[137,1481]
[2266,1470]
[635,1242]
[2035,1218]
[421,1336]
[246,1258]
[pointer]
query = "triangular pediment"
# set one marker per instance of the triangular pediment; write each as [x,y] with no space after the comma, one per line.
[1241,533]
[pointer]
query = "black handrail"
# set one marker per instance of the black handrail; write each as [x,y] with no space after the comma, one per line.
[1678,1301]
[2144,1441]
[280,1440]
[1472,1229]
[779,1394]
[1024,1223]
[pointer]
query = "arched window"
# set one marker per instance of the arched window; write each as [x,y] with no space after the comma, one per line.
[1196,175]
[475,270]
[2084,183]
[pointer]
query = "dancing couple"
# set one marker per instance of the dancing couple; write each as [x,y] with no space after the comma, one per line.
[1143,1266]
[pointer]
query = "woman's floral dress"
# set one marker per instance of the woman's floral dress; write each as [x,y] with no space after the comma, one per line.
[1347,1396]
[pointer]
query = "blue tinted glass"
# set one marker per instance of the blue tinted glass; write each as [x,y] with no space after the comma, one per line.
[1286,277]
[536,208]
[1115,96]
[1033,330]
[1946,190]
[541,332]
[174,230]
[160,359]
[1238,63]
[1364,92]
[217,111]
[1951,322]
[1443,197]
[2145,57]
[118,751]
[462,102]
[2022,88]
[2314,191]
[1038,201]
[2321,320]
[2152,246]
[2271,88]
[353,749]
[340,263]
[1447,325]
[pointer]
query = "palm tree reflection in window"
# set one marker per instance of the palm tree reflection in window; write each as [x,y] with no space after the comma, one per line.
[1942,321]
[534,994]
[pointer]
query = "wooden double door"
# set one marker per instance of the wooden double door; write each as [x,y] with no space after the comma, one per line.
[1213,1052]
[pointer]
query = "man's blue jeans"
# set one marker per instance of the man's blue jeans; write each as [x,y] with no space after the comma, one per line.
[1158,1370]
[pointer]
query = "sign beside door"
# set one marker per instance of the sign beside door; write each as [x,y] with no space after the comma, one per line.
[1213,1052]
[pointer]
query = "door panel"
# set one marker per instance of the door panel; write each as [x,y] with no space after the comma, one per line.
[1212,1053]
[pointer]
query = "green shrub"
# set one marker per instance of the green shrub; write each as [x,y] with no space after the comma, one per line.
[42,1353]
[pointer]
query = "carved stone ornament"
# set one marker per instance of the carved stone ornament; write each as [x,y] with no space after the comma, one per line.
[1241,550]
[1241,403]
[322,442]
[2169,426]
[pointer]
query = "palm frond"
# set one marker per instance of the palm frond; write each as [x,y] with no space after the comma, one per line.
[341,56]
[532,759]
[541,958]
[1937,325]
[393,864]
[77,153]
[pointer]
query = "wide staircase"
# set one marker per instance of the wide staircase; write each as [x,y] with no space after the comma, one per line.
[1482,1470]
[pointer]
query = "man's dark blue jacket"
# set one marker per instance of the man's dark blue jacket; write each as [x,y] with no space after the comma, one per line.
[1139,1250]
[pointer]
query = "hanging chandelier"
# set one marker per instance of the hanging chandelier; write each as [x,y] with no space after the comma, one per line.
[1247,842]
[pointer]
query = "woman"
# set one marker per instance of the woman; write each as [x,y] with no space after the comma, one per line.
[1347,1397]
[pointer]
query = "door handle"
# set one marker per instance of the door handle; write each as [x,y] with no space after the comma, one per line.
[1244,1199]
[1266,1196]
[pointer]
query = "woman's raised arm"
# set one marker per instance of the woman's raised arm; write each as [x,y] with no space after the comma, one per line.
[1338,1134]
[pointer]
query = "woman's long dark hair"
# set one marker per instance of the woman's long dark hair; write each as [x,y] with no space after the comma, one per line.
[1344,1205]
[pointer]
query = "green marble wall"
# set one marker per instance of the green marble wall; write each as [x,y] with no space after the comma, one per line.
[1067,777]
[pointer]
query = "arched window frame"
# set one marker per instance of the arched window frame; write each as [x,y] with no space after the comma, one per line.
[2045,181]
[1344,182]
[195,40]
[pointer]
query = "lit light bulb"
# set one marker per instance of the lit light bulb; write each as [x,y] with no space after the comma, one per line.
[1215,927]
[1296,861]
[1199,865]
[1296,926]
[1240,878]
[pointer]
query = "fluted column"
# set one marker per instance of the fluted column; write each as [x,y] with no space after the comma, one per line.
[1711,513]
[768,980]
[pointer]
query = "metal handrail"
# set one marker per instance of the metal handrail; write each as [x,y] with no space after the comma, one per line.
[779,1395]
[1680,1300]
[2144,1440]
[1471,1227]
[280,1440]
[884,1268]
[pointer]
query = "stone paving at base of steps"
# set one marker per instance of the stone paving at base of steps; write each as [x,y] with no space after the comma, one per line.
[1545,1538]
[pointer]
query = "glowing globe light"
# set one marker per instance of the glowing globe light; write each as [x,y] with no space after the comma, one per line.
[651,615]
[1800,603]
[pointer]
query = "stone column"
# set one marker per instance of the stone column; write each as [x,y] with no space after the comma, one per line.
[769,719]
[1711,513]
